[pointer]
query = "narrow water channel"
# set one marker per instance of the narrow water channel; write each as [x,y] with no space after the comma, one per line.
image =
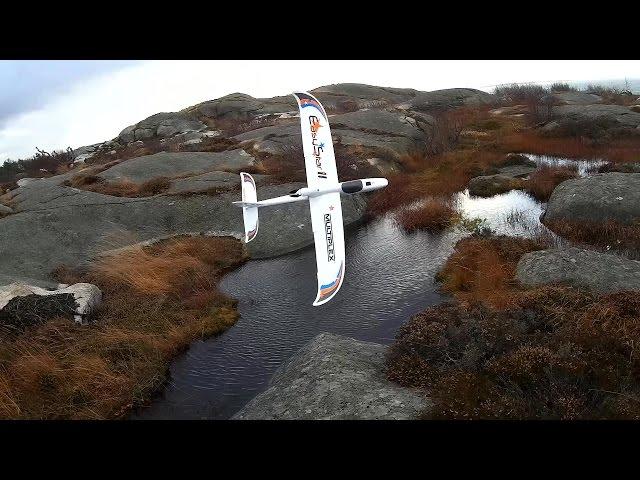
[389,276]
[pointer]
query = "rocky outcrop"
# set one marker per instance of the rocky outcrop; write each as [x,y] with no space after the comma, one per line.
[333,97]
[55,224]
[334,378]
[576,98]
[4,210]
[22,304]
[598,198]
[601,272]
[161,125]
[209,181]
[450,98]
[615,114]
[391,132]
[172,164]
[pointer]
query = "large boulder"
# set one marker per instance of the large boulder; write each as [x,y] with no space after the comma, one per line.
[601,272]
[55,224]
[334,378]
[450,98]
[576,98]
[614,114]
[489,185]
[240,107]
[171,164]
[598,198]
[379,130]
[161,125]
[361,96]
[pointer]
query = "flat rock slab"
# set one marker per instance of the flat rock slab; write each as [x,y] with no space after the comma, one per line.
[172,164]
[598,198]
[334,378]
[602,272]
[616,113]
[577,98]
[207,181]
[61,225]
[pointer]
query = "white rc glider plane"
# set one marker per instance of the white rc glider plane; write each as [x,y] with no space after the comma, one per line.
[323,192]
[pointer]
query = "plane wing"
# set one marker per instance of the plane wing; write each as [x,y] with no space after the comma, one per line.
[326,210]
[328,233]
[319,158]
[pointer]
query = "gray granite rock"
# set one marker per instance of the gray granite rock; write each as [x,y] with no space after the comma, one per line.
[55,224]
[334,378]
[161,125]
[598,198]
[602,272]
[617,114]
[4,210]
[576,98]
[208,181]
[171,164]
[451,98]
[489,185]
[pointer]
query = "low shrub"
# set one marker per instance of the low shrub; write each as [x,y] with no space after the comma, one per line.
[121,188]
[543,181]
[42,164]
[554,353]
[156,301]
[482,268]
[435,214]
[609,235]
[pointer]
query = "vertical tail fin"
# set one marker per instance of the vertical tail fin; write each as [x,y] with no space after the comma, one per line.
[249,214]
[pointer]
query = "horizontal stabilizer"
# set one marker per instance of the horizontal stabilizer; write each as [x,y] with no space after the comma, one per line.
[249,206]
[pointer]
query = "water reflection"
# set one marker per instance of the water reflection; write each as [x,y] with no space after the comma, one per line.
[585,167]
[389,276]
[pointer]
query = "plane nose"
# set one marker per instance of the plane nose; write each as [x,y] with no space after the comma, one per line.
[385,182]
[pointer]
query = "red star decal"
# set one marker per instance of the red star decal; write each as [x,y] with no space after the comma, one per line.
[331,207]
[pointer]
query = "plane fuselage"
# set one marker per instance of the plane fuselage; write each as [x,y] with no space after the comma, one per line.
[350,187]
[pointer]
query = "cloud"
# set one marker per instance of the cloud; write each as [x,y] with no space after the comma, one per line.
[28,85]
[100,106]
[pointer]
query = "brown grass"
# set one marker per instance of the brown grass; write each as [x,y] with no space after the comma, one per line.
[620,150]
[554,353]
[434,215]
[543,181]
[157,300]
[443,175]
[122,188]
[483,268]
[609,235]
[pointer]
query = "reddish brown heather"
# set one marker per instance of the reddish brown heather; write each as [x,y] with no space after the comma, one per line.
[543,181]
[609,235]
[554,353]
[619,150]
[157,300]
[434,215]
[483,268]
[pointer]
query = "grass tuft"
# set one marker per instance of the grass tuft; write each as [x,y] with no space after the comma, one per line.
[157,300]
[543,181]
[434,215]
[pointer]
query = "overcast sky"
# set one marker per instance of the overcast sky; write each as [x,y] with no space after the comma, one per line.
[55,104]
